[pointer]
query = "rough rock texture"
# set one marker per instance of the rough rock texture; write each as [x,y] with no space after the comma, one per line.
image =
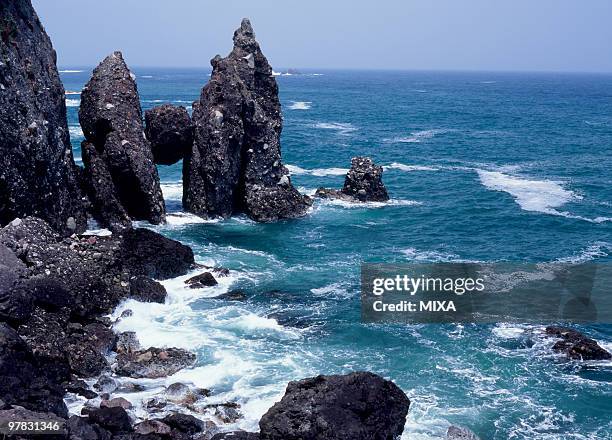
[363,183]
[122,179]
[235,163]
[37,171]
[147,290]
[357,406]
[170,132]
[184,423]
[114,419]
[205,279]
[154,362]
[576,345]
[458,433]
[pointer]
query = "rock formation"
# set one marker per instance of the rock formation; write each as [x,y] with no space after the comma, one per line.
[576,345]
[37,171]
[357,406]
[459,433]
[122,179]
[235,163]
[170,132]
[363,183]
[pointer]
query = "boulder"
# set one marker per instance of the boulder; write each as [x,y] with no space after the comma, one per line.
[147,290]
[38,175]
[16,304]
[363,183]
[205,279]
[154,362]
[123,183]
[146,253]
[576,345]
[170,132]
[235,163]
[458,433]
[106,384]
[81,428]
[127,342]
[152,427]
[184,423]
[114,419]
[116,402]
[356,406]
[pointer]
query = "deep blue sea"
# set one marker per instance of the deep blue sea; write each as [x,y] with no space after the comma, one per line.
[479,166]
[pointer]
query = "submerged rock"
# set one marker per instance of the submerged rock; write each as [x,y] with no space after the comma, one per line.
[235,163]
[576,345]
[122,179]
[205,279]
[154,362]
[356,406]
[363,183]
[38,175]
[170,132]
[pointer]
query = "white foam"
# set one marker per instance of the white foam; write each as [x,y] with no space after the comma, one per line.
[591,252]
[408,168]
[300,105]
[370,205]
[340,127]
[72,102]
[415,255]
[70,71]
[75,131]
[531,195]
[69,92]
[418,136]
[172,191]
[186,218]
[506,331]
[320,172]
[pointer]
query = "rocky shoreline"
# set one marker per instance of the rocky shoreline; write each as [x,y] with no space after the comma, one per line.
[58,284]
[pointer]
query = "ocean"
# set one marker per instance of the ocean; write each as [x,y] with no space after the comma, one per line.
[479,166]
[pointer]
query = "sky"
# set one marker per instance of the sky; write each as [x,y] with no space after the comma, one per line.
[491,35]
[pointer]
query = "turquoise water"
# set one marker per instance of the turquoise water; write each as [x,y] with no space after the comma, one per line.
[480,166]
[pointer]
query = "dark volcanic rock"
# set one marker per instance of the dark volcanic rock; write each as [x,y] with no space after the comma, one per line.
[205,279]
[576,345]
[122,179]
[127,342]
[184,423]
[114,419]
[147,290]
[22,381]
[81,428]
[37,171]
[363,183]
[170,132]
[236,435]
[154,362]
[16,304]
[235,163]
[357,406]
[457,433]
[147,253]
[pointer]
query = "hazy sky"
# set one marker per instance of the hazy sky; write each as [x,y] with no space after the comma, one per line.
[554,35]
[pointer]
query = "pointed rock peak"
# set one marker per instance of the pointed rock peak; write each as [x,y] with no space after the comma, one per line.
[244,35]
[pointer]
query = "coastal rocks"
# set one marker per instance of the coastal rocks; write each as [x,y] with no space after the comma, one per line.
[82,429]
[357,406]
[152,427]
[235,163]
[146,253]
[363,183]
[114,419]
[205,279]
[38,175]
[123,183]
[127,342]
[576,345]
[170,132]
[458,433]
[147,290]
[236,435]
[154,362]
[184,423]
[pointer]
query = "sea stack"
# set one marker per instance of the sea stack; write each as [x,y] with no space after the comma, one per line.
[170,132]
[37,171]
[123,183]
[363,183]
[235,163]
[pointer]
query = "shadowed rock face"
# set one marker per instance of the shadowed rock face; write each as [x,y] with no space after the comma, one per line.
[170,132]
[363,183]
[235,163]
[37,171]
[122,178]
[356,406]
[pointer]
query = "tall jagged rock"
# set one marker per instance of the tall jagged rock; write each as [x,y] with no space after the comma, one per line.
[122,179]
[37,171]
[363,183]
[170,132]
[235,163]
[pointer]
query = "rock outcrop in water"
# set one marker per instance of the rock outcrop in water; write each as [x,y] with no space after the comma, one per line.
[122,179]
[235,164]
[363,183]
[170,132]
[356,406]
[37,171]
[576,345]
